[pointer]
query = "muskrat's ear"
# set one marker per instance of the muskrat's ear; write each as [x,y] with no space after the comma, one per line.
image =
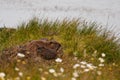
[58,46]
[54,45]
[44,40]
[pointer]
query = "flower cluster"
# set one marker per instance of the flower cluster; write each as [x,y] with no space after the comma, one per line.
[78,68]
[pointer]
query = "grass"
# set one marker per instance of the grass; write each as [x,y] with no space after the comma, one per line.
[81,41]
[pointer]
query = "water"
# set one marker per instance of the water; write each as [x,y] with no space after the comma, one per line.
[104,12]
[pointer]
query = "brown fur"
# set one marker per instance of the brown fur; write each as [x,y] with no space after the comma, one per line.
[44,48]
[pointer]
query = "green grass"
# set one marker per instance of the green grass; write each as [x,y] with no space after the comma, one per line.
[78,38]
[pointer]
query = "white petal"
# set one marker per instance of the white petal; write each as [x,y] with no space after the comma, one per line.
[20,55]
[101,60]
[16,69]
[20,74]
[83,62]
[76,66]
[101,65]
[58,60]
[83,66]
[2,74]
[103,54]
[62,69]
[86,70]
[51,70]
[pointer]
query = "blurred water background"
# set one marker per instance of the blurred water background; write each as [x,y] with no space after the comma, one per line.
[104,12]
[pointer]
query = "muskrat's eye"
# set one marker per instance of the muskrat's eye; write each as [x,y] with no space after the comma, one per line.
[40,49]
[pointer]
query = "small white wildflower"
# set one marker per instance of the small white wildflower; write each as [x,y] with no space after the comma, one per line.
[58,60]
[17,69]
[52,70]
[103,54]
[75,74]
[86,70]
[76,66]
[73,78]
[61,69]
[101,60]
[20,55]
[99,72]
[82,66]
[2,75]
[20,74]
[90,66]
[101,65]
[83,62]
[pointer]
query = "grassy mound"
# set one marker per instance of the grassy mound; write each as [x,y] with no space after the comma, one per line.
[79,39]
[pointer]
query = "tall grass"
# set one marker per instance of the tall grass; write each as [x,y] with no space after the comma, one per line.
[76,37]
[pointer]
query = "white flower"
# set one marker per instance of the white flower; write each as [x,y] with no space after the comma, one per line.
[20,55]
[52,70]
[16,69]
[73,78]
[101,65]
[2,75]
[86,70]
[76,66]
[83,62]
[101,60]
[99,72]
[58,60]
[90,66]
[75,74]
[103,54]
[83,66]
[62,69]
[20,74]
